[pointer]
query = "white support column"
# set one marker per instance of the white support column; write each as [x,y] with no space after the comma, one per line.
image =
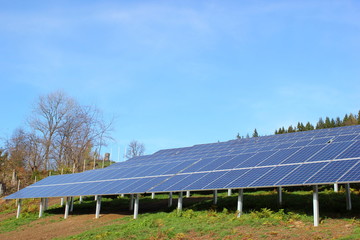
[336,187]
[67,202]
[131,204]
[215,197]
[136,206]
[80,199]
[72,204]
[170,199]
[46,205]
[18,208]
[316,205]
[187,194]
[229,192]
[180,202]
[95,197]
[41,207]
[122,195]
[98,206]
[240,202]
[62,201]
[348,197]
[280,199]
[152,195]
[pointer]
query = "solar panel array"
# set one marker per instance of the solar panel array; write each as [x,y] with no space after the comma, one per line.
[302,158]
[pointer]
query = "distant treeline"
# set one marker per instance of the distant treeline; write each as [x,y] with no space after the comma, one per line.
[347,120]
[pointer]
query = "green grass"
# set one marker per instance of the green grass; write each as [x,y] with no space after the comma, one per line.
[202,218]
[12,223]
[173,225]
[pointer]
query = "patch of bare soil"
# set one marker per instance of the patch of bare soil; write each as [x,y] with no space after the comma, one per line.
[55,226]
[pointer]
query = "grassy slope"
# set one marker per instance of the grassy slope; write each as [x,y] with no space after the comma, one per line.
[202,219]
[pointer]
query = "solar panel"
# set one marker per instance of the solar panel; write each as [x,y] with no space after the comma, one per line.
[312,157]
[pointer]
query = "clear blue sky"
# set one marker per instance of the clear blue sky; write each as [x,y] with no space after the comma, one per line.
[179,73]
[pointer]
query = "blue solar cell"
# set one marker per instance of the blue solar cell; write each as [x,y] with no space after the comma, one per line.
[255,159]
[332,172]
[353,175]
[200,183]
[247,178]
[116,187]
[185,182]
[284,145]
[146,184]
[301,143]
[320,141]
[217,162]
[301,174]
[168,183]
[351,152]
[232,163]
[273,176]
[303,154]
[278,157]
[179,167]
[165,167]
[330,151]
[225,179]
[267,148]
[343,138]
[198,165]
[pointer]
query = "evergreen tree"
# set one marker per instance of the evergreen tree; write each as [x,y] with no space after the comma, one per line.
[291,129]
[300,127]
[358,117]
[320,124]
[332,123]
[309,126]
[345,119]
[255,133]
[338,122]
[327,122]
[351,120]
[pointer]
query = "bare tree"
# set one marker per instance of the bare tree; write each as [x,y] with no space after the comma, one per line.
[135,149]
[67,130]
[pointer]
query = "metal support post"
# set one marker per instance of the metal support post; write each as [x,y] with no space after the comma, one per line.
[348,197]
[170,199]
[131,205]
[80,199]
[62,201]
[136,207]
[18,208]
[240,202]
[187,194]
[180,202]
[122,195]
[95,198]
[72,204]
[280,199]
[41,207]
[98,206]
[46,205]
[215,197]
[229,192]
[152,195]
[316,205]
[66,207]
[336,187]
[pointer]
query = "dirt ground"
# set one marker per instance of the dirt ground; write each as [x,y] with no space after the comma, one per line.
[55,226]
